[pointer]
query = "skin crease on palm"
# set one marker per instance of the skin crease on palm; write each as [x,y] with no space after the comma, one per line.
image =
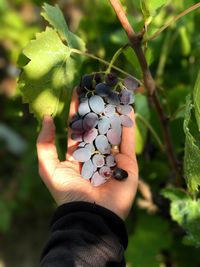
[63,178]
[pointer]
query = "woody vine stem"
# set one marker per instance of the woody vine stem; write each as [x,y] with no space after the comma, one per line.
[150,85]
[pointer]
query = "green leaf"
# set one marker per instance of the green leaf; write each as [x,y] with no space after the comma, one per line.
[55,17]
[186,212]
[196,100]
[146,241]
[149,7]
[192,149]
[132,58]
[46,80]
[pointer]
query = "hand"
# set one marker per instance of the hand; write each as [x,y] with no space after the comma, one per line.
[63,178]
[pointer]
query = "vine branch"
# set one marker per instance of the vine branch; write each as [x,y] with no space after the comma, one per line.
[136,43]
[173,20]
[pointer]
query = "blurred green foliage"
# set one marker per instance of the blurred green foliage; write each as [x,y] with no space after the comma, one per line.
[158,239]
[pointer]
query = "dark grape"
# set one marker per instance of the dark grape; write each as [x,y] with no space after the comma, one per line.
[96,104]
[105,172]
[126,97]
[98,160]
[90,121]
[131,83]
[111,79]
[87,169]
[83,107]
[102,144]
[109,110]
[113,99]
[120,174]
[110,161]
[87,81]
[97,179]
[77,126]
[124,109]
[90,135]
[126,121]
[103,125]
[82,154]
[77,137]
[102,89]
[114,137]
[91,147]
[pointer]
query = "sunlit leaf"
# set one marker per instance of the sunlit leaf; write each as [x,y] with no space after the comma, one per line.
[55,17]
[48,75]
[192,149]
[196,100]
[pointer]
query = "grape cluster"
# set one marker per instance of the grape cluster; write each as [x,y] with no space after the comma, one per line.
[104,107]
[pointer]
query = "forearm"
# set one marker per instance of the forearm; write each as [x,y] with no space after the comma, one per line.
[85,234]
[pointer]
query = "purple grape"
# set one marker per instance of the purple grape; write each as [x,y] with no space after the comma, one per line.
[82,154]
[74,118]
[90,135]
[105,172]
[98,160]
[96,104]
[102,89]
[115,122]
[83,107]
[86,81]
[111,79]
[90,147]
[126,121]
[131,83]
[113,99]
[120,174]
[110,161]
[124,109]
[103,125]
[87,169]
[97,77]
[77,137]
[101,143]
[113,137]
[97,179]
[126,97]
[90,121]
[77,126]
[109,110]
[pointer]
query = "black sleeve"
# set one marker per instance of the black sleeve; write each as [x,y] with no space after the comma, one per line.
[85,234]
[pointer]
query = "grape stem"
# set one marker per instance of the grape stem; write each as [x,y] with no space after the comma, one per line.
[116,55]
[150,85]
[77,51]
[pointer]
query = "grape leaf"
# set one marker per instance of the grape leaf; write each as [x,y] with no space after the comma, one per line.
[186,212]
[48,74]
[146,241]
[196,99]
[192,149]
[55,17]
[149,7]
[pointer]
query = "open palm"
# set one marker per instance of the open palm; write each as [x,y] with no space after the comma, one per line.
[63,178]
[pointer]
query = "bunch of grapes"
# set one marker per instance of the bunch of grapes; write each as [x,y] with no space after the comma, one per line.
[104,107]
